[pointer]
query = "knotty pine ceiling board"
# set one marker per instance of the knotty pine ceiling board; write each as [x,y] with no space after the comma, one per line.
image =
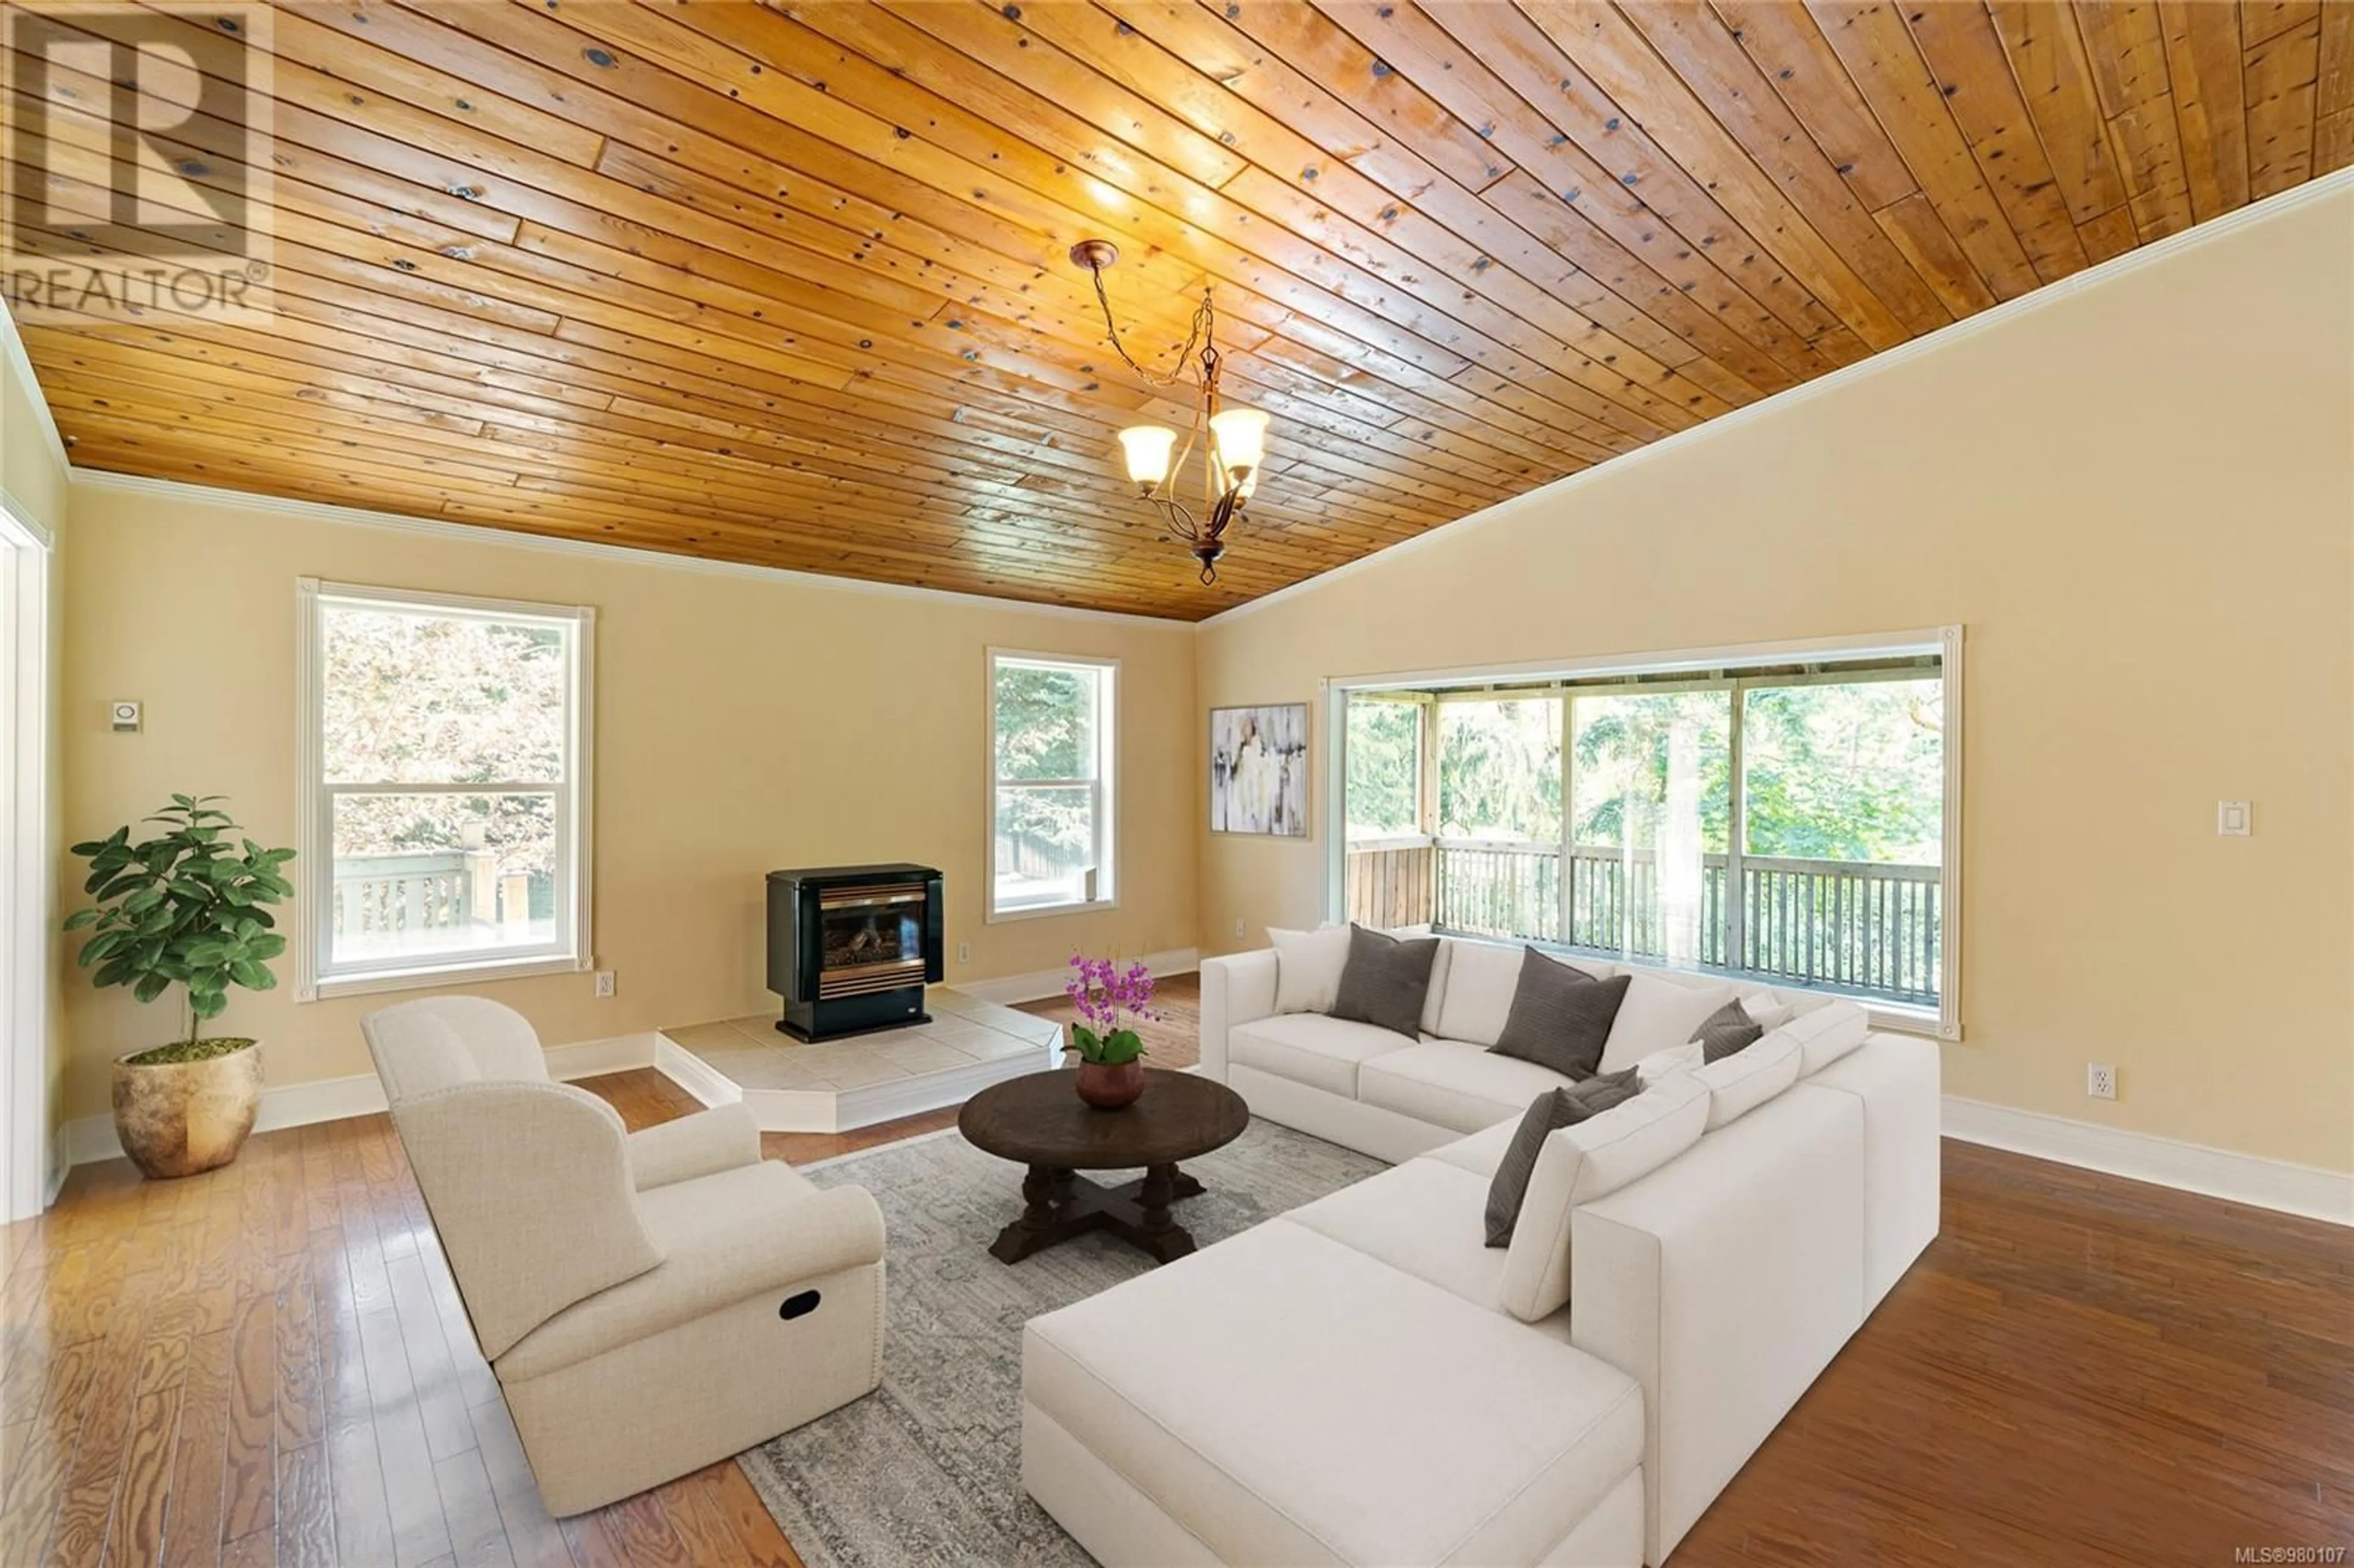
[787,283]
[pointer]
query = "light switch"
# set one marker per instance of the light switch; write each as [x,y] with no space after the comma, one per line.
[2234,820]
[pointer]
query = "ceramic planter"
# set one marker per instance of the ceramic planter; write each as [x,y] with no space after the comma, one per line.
[176,1118]
[1109,1087]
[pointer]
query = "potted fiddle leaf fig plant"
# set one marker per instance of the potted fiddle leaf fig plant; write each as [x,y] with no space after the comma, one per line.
[187,908]
[1111,1002]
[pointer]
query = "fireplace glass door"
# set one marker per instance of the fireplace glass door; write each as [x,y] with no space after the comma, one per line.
[873,940]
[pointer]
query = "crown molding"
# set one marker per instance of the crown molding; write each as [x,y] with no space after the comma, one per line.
[11,348]
[2049,294]
[493,538]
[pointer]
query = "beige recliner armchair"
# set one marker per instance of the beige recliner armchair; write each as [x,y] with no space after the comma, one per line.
[652,1301]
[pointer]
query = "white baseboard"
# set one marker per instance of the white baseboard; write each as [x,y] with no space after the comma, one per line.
[2190,1167]
[1008,990]
[92,1137]
[595,1058]
[691,1073]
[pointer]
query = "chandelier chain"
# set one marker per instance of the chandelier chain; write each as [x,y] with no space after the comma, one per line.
[1201,336]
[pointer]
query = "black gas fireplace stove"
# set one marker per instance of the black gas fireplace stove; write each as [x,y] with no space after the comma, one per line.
[851,947]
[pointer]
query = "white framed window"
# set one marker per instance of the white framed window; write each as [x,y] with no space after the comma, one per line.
[445,807]
[1053,729]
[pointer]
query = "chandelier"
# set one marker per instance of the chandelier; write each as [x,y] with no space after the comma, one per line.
[1233,440]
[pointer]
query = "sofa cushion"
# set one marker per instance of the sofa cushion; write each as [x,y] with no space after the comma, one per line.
[1741,1082]
[1238,1381]
[1482,978]
[1452,1084]
[1826,1033]
[1480,1152]
[1309,1048]
[1422,1216]
[1386,981]
[1547,1114]
[1660,1010]
[1561,1015]
[1666,1063]
[1308,965]
[1582,1163]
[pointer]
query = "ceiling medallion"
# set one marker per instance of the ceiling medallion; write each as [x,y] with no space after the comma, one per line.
[1233,440]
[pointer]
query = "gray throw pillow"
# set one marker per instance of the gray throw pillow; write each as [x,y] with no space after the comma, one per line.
[1546,1115]
[1728,1030]
[1561,1016]
[1386,980]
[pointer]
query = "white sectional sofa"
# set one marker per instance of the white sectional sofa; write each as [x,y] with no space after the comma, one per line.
[1363,1381]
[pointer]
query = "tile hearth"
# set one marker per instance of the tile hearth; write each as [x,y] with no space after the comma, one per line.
[832,1086]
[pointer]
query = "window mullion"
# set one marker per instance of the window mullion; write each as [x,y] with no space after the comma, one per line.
[1565,873]
[1092,888]
[415,786]
[1736,839]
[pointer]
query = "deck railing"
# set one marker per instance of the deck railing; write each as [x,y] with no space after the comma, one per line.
[1866,927]
[1392,882]
[401,894]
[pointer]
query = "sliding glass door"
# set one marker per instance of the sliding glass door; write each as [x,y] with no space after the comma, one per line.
[1500,814]
[1785,823]
[1649,776]
[1842,796]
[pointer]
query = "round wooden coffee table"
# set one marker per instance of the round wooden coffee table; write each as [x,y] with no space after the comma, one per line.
[1039,1120]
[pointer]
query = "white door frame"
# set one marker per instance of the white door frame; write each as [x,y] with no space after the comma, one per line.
[27,879]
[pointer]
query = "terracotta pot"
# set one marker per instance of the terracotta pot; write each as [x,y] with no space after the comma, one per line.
[1107,1088]
[177,1119]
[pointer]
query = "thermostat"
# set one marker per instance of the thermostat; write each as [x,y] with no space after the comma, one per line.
[124,716]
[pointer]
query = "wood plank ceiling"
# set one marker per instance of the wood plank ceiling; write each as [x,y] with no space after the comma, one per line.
[787,283]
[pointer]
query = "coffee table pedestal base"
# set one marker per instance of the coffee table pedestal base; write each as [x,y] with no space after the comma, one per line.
[1061,1205]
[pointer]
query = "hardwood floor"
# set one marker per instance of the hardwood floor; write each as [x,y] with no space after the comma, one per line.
[268,1364]
[2080,1370]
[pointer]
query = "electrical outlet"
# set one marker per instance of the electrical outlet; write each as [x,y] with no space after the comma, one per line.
[604,982]
[964,952]
[1238,924]
[2100,1081]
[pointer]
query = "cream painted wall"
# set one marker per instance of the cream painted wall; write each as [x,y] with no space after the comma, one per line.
[2138,498]
[32,475]
[29,469]
[742,723]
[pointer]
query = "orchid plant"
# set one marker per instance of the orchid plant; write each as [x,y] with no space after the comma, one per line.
[1111,1002]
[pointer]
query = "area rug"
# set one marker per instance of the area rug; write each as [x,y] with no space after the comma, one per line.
[928,1469]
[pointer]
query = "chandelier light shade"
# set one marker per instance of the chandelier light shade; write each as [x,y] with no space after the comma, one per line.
[1238,439]
[1148,448]
[1233,440]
